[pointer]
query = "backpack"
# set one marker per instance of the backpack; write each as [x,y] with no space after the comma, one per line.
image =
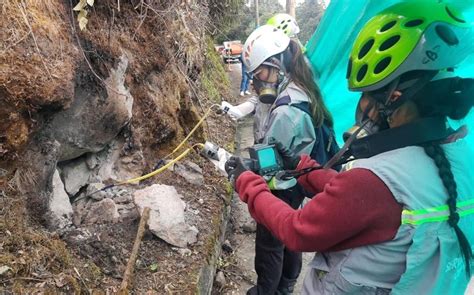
[325,146]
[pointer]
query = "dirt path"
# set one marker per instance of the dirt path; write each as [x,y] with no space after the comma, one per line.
[237,262]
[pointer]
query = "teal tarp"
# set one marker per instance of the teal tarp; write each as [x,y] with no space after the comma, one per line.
[328,50]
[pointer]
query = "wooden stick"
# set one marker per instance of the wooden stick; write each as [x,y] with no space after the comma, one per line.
[133,257]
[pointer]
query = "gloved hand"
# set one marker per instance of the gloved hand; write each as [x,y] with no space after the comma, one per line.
[290,160]
[233,112]
[236,166]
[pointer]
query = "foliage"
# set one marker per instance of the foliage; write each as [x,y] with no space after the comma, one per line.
[214,79]
[243,22]
[308,15]
[82,15]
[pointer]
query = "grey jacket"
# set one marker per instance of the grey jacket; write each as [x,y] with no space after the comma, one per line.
[424,257]
[289,125]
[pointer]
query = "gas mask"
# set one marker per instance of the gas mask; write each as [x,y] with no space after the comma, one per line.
[267,92]
[364,125]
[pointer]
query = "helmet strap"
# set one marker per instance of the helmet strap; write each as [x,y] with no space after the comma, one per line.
[412,88]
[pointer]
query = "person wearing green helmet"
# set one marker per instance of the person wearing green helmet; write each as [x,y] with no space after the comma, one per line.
[288,25]
[399,217]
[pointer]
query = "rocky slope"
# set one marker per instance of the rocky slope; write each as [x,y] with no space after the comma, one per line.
[83,109]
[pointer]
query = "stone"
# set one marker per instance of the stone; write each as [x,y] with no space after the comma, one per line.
[59,204]
[226,246]
[190,171]
[4,270]
[80,208]
[184,252]
[92,161]
[94,191]
[127,206]
[220,279]
[129,214]
[75,174]
[250,226]
[102,212]
[126,198]
[166,214]
[95,117]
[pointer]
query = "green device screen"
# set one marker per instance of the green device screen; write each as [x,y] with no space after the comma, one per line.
[267,158]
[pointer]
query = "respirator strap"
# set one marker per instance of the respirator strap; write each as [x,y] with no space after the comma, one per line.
[422,131]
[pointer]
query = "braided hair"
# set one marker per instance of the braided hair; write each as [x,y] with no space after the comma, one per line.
[453,98]
[436,152]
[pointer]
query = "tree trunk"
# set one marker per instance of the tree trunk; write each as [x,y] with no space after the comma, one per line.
[257,16]
[290,7]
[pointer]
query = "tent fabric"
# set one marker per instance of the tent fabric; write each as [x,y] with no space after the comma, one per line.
[329,47]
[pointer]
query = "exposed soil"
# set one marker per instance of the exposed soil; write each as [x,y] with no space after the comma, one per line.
[47,65]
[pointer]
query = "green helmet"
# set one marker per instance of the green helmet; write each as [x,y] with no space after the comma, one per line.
[415,35]
[286,23]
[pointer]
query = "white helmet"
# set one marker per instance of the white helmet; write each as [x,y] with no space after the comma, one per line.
[286,23]
[264,42]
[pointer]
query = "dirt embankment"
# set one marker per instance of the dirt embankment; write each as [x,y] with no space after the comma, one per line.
[113,99]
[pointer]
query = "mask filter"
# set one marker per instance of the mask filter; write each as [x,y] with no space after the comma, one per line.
[267,92]
[365,124]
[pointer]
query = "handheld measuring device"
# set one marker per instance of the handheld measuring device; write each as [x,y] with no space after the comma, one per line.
[266,159]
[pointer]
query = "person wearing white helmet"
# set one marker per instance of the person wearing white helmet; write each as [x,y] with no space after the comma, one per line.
[289,26]
[288,99]
[399,218]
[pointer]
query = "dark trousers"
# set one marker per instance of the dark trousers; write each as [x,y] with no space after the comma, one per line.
[277,267]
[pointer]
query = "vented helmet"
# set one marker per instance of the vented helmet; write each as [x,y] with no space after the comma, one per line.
[264,42]
[286,23]
[415,35]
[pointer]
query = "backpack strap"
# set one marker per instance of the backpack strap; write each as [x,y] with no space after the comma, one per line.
[325,146]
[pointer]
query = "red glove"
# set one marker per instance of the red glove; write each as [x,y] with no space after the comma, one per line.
[306,162]
[249,185]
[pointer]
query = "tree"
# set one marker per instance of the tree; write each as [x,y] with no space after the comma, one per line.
[290,7]
[243,21]
[308,15]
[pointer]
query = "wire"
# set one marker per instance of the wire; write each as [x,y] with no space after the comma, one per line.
[206,114]
[163,168]
[153,173]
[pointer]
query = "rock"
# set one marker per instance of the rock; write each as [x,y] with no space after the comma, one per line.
[190,171]
[94,191]
[201,201]
[184,252]
[95,117]
[75,174]
[101,212]
[59,205]
[4,270]
[92,161]
[80,208]
[127,206]
[129,214]
[250,226]
[166,215]
[77,236]
[126,198]
[220,279]
[226,246]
